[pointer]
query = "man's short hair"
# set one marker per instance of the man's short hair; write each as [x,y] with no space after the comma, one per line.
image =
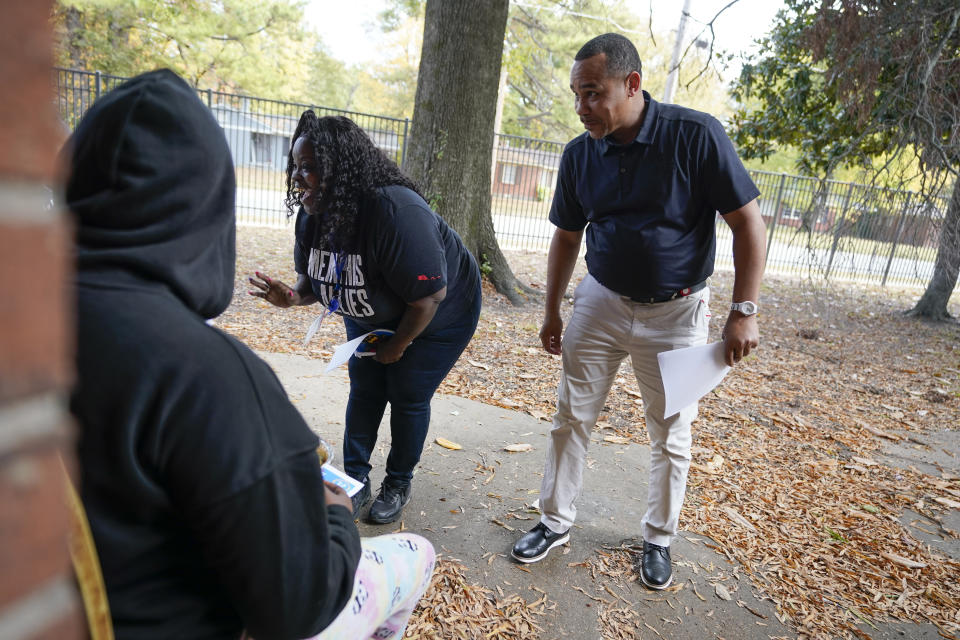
[622,56]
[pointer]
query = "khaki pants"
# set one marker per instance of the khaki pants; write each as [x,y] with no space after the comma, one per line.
[606,328]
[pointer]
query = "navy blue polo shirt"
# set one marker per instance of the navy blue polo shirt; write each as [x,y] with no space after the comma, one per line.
[649,206]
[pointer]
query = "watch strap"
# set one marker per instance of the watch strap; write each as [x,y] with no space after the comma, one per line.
[747,307]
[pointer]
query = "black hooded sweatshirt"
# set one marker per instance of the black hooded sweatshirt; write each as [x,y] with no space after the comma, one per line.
[199,477]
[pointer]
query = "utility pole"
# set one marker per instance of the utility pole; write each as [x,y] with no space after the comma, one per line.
[675,58]
[497,122]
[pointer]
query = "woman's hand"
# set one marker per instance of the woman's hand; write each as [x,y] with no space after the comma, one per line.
[389,351]
[414,320]
[333,494]
[273,291]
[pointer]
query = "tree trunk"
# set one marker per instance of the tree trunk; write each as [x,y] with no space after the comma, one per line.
[451,136]
[933,304]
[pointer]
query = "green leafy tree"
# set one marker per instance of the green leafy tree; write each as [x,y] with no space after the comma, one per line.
[541,38]
[330,82]
[389,88]
[544,35]
[247,46]
[849,82]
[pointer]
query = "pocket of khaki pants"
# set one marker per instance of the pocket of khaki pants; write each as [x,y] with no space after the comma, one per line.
[697,314]
[576,290]
[703,311]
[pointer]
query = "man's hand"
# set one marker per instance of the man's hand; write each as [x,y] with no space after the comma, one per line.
[551,332]
[740,335]
[273,291]
[564,248]
[333,494]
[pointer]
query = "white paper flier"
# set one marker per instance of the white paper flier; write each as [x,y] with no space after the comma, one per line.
[689,374]
[342,353]
[312,330]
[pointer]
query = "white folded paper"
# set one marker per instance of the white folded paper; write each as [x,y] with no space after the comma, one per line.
[342,353]
[689,374]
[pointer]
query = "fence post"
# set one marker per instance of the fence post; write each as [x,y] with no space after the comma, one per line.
[836,236]
[96,85]
[776,217]
[209,99]
[896,238]
[403,148]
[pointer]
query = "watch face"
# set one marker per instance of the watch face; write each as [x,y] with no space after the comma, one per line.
[748,308]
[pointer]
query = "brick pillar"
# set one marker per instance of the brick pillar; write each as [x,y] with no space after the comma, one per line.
[38,599]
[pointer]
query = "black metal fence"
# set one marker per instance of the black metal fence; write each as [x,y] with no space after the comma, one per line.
[848,230]
[524,175]
[258,131]
[819,228]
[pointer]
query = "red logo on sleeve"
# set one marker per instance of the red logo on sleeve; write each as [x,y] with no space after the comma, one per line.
[423,277]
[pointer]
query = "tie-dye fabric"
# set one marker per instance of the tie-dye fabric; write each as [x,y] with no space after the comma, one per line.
[393,573]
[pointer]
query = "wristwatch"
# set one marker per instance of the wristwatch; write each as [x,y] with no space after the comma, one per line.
[747,307]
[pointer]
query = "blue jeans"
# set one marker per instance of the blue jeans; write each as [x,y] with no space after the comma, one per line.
[408,385]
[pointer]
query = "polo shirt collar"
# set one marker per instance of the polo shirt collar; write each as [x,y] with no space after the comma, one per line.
[651,113]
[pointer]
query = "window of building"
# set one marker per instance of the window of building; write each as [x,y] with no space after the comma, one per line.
[260,149]
[547,179]
[792,213]
[508,174]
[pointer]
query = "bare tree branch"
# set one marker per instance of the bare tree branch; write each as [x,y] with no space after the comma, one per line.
[713,37]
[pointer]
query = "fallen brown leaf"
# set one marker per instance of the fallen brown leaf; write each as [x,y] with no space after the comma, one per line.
[448,444]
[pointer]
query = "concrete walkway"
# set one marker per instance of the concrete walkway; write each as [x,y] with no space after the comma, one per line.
[457,497]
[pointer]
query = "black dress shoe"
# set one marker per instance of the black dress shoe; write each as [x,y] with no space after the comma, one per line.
[656,571]
[391,500]
[536,543]
[361,498]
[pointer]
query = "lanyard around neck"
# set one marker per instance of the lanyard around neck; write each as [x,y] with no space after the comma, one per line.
[340,260]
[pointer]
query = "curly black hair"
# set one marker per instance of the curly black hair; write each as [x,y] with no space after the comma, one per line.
[351,168]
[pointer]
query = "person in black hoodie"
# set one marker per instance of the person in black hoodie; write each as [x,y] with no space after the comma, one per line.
[200,479]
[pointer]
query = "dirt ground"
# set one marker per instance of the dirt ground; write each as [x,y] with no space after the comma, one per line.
[825,465]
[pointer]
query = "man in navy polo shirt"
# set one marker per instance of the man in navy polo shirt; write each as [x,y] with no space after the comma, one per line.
[646,181]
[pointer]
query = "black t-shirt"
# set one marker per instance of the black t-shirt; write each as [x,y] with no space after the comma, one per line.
[651,204]
[403,252]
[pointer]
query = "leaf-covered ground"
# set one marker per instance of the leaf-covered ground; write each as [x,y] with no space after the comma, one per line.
[788,478]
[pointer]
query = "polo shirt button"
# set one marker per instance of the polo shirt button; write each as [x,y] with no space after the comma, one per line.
[623,169]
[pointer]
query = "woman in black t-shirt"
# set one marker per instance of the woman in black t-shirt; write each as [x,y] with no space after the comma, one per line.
[370,248]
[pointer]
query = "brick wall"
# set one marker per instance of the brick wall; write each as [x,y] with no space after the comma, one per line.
[38,599]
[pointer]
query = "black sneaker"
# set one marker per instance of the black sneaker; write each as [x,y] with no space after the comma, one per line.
[362,497]
[536,544]
[391,500]
[656,571]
